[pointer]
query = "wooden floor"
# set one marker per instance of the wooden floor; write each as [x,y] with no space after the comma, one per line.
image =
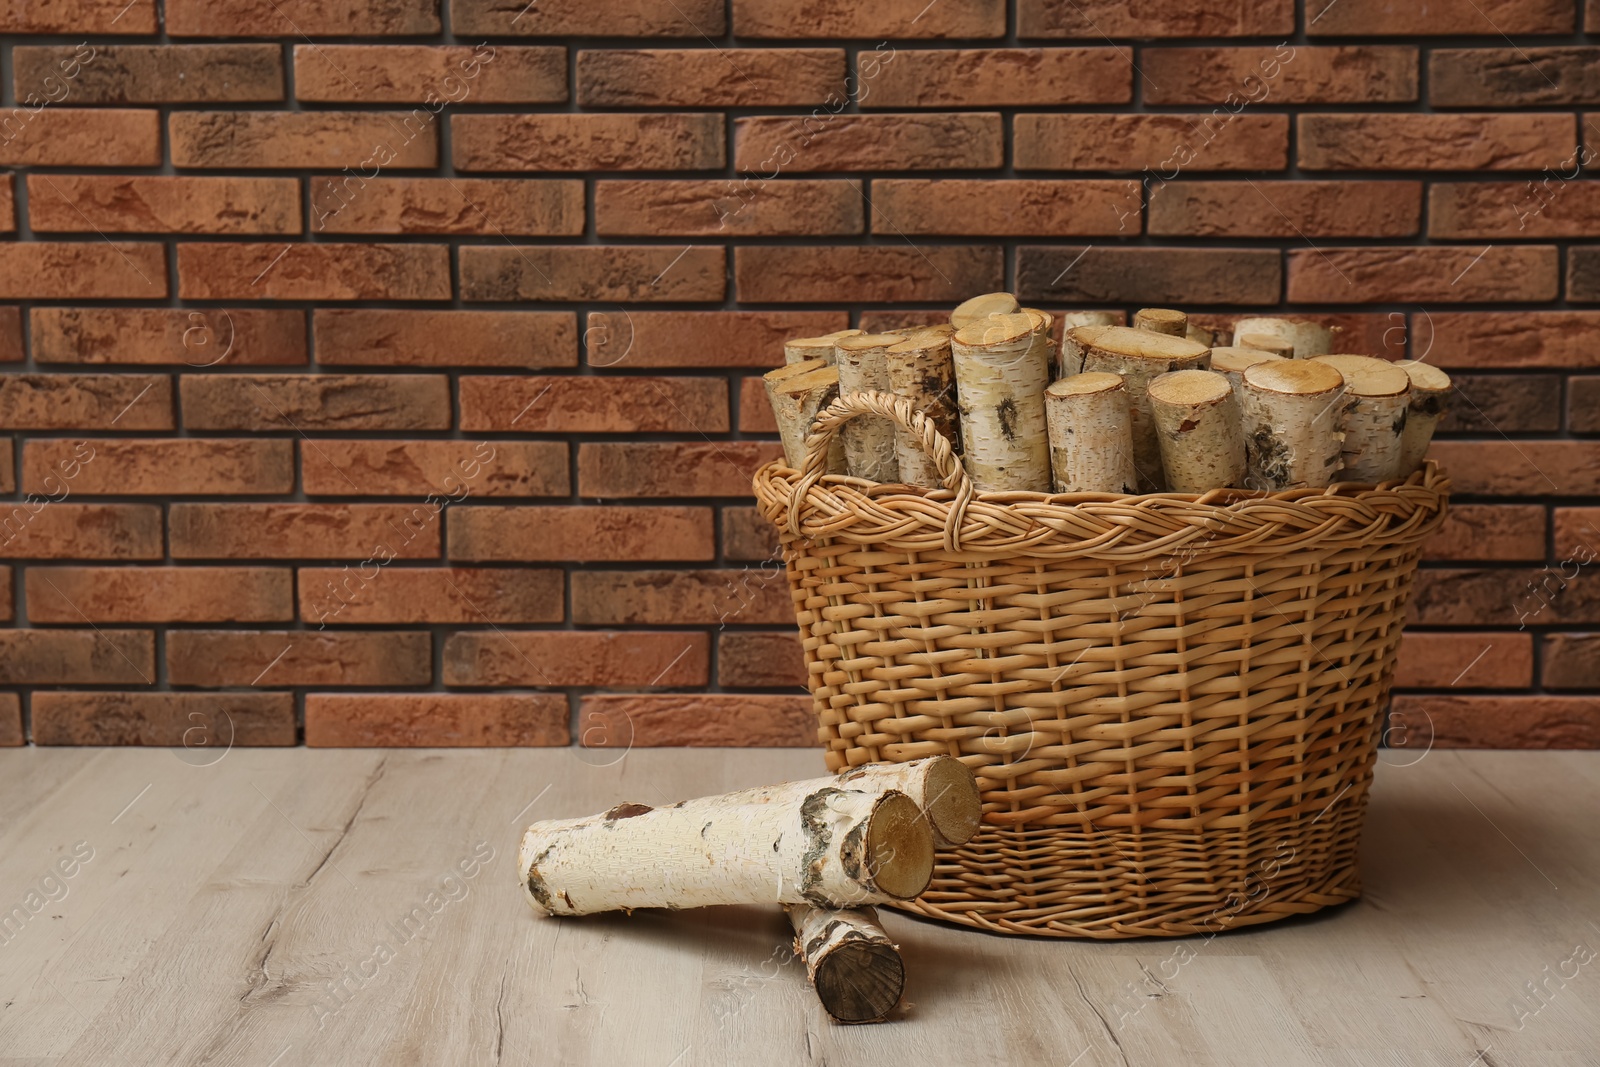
[233,914]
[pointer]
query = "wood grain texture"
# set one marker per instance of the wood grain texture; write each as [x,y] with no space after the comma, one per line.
[224,905]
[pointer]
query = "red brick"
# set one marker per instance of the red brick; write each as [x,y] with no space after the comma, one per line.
[561,142]
[324,271]
[1583,274]
[490,206]
[1200,18]
[1481,532]
[278,658]
[710,77]
[676,468]
[554,658]
[1279,74]
[1503,721]
[748,659]
[86,401]
[1506,403]
[83,270]
[1286,209]
[11,349]
[1480,660]
[1575,535]
[151,467]
[8,205]
[351,596]
[159,594]
[714,720]
[697,19]
[297,18]
[1582,394]
[200,337]
[155,73]
[436,720]
[723,208]
[304,531]
[1000,77]
[1513,210]
[629,338]
[1451,275]
[1005,208]
[1407,141]
[38,527]
[1511,340]
[437,75]
[417,468]
[1361,18]
[77,657]
[755,410]
[1512,77]
[392,337]
[317,140]
[298,403]
[1570,661]
[874,274]
[8,481]
[78,16]
[1148,275]
[1521,468]
[747,535]
[11,734]
[80,137]
[593,273]
[196,721]
[747,595]
[1151,142]
[518,533]
[898,19]
[130,203]
[799,143]
[594,404]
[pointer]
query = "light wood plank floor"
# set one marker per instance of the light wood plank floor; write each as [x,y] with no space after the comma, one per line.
[232,914]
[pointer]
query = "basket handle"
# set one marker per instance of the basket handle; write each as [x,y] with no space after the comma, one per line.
[899,411]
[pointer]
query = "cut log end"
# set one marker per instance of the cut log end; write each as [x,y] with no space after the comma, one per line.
[981,307]
[860,981]
[1281,347]
[898,848]
[1162,320]
[942,786]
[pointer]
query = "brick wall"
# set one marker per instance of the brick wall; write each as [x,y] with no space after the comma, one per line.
[386,371]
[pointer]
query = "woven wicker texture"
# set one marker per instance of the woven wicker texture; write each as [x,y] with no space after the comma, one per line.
[1172,703]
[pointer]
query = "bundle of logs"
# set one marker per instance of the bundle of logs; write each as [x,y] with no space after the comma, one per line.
[827,849]
[1161,406]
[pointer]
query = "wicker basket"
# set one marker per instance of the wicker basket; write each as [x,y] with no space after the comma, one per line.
[1172,703]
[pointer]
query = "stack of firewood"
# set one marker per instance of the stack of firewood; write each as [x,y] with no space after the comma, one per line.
[827,849]
[1161,406]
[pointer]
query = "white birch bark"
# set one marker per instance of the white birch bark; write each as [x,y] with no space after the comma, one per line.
[797,391]
[1308,338]
[800,349]
[1378,395]
[852,964]
[1231,362]
[1162,320]
[1140,356]
[1197,422]
[942,786]
[1074,346]
[982,307]
[921,370]
[1091,439]
[869,448]
[1000,386]
[1430,394]
[1291,424]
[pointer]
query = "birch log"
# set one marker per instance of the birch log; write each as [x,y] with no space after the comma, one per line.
[1091,441]
[1162,320]
[983,307]
[1139,356]
[1430,392]
[1378,395]
[800,349]
[1000,392]
[854,967]
[1197,422]
[1231,363]
[1074,346]
[1071,319]
[921,370]
[1271,344]
[942,786]
[869,448]
[1308,338]
[811,842]
[797,391]
[1044,345]
[1290,424]
[1210,334]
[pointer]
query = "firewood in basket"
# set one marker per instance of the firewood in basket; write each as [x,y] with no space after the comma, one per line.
[1140,356]
[1291,424]
[1378,396]
[921,371]
[797,391]
[1074,345]
[1162,320]
[1430,394]
[851,963]
[1197,422]
[1091,441]
[800,349]
[1000,382]
[942,786]
[1271,344]
[813,842]
[1308,338]
[983,307]
[863,362]
[1231,362]
[1211,333]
